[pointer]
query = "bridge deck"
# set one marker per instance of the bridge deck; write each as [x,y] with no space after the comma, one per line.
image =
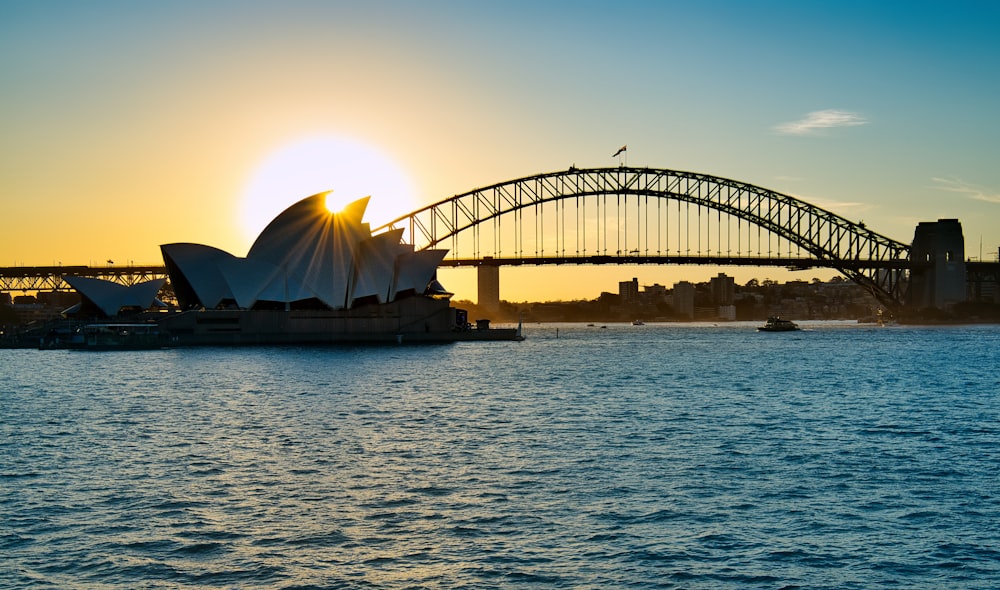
[49,278]
[791,263]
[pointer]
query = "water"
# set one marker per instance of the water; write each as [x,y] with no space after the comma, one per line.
[657,456]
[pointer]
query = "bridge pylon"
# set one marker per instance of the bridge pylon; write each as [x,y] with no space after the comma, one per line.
[489,284]
[938,279]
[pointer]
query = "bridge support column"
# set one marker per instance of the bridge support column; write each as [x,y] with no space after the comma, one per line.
[939,275]
[489,284]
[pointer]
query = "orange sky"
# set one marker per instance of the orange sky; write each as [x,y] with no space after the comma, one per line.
[127,125]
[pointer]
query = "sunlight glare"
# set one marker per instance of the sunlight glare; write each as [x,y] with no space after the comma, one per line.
[346,167]
[333,204]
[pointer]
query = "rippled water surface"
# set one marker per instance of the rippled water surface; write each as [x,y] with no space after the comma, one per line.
[668,456]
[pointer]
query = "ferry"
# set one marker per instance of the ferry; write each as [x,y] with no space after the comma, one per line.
[776,324]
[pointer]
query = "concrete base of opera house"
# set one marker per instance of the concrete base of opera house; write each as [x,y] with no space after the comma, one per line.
[410,320]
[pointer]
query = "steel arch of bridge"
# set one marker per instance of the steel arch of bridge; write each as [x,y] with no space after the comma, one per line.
[819,237]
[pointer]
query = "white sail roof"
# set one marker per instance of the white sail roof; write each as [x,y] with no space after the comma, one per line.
[198,265]
[376,264]
[415,270]
[305,253]
[111,297]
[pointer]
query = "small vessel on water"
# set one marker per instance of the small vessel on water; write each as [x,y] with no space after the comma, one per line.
[638,323]
[776,324]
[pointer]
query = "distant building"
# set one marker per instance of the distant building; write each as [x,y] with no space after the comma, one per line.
[723,290]
[683,299]
[60,299]
[29,310]
[607,299]
[628,291]
[983,279]
[655,292]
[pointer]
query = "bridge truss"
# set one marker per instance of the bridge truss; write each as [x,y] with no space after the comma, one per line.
[50,278]
[630,215]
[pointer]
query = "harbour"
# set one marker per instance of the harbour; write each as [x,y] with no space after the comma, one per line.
[686,455]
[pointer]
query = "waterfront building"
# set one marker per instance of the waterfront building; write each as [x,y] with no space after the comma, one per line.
[628,291]
[723,289]
[312,276]
[306,258]
[683,299]
[655,292]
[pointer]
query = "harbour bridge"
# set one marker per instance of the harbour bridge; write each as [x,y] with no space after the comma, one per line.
[626,216]
[50,278]
[616,215]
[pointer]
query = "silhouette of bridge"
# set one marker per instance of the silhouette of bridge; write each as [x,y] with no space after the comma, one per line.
[50,278]
[619,215]
[626,215]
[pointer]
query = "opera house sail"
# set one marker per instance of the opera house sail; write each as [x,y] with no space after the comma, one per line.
[306,258]
[313,276]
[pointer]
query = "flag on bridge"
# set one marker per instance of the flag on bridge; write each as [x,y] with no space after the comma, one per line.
[620,150]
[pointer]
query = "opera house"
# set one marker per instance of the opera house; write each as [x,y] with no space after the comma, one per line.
[311,276]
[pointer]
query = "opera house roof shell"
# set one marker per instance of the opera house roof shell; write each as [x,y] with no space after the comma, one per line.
[110,297]
[307,257]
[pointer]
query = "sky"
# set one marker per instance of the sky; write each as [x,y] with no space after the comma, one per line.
[126,125]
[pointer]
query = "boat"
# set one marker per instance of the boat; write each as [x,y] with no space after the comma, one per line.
[638,323]
[776,324]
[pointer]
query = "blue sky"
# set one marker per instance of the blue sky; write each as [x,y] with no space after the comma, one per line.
[881,111]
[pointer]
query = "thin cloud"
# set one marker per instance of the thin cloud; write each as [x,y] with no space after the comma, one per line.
[840,205]
[818,120]
[834,206]
[826,204]
[972,191]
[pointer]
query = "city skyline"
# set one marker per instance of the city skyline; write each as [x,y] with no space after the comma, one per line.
[130,126]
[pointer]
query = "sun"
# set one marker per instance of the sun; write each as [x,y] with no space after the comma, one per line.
[348,168]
